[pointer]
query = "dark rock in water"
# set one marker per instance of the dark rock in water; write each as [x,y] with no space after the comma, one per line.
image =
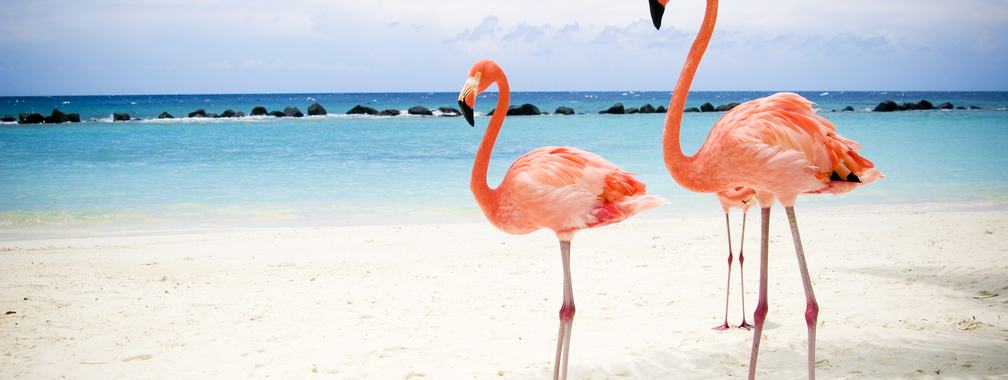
[564,111]
[726,107]
[259,111]
[361,110]
[887,106]
[7,119]
[240,114]
[198,113]
[420,110]
[228,113]
[59,115]
[848,108]
[707,107]
[945,106]
[449,111]
[389,112]
[30,118]
[212,115]
[165,115]
[74,117]
[691,109]
[56,117]
[661,109]
[615,109]
[316,110]
[975,108]
[277,114]
[292,112]
[120,117]
[890,106]
[647,108]
[522,110]
[527,110]
[632,110]
[515,111]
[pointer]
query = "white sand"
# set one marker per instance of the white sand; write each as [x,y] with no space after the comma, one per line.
[902,295]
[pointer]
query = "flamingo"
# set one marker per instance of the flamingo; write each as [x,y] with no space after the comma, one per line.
[741,197]
[776,146]
[560,188]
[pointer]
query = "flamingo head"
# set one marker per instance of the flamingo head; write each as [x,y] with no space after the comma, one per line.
[483,73]
[657,11]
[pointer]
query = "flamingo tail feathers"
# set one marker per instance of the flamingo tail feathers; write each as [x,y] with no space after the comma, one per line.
[851,171]
[623,196]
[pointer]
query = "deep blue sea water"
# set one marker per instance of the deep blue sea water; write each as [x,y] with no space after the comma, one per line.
[151,175]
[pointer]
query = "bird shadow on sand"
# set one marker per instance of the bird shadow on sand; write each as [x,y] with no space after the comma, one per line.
[977,284]
[667,363]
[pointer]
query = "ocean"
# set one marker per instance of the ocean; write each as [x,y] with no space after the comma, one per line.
[150,175]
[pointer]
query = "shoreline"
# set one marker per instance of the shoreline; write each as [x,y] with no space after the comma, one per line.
[911,293]
[162,225]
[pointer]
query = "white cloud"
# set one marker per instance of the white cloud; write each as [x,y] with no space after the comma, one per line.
[525,33]
[486,28]
[214,64]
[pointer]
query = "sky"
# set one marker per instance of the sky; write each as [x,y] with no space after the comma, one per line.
[119,47]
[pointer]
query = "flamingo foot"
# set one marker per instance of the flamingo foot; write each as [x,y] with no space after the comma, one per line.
[745,325]
[722,327]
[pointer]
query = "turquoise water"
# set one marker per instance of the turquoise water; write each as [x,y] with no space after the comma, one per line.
[151,175]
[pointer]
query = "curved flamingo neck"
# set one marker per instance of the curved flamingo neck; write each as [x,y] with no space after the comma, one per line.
[679,165]
[478,181]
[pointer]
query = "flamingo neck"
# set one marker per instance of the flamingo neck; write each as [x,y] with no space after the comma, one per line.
[682,167]
[485,196]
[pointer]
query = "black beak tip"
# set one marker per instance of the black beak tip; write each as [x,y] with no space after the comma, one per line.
[467,112]
[657,11]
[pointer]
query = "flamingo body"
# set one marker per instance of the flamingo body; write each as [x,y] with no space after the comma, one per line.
[565,189]
[740,197]
[560,188]
[780,148]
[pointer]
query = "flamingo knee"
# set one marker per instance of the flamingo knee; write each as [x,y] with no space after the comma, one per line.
[759,315]
[812,313]
[567,313]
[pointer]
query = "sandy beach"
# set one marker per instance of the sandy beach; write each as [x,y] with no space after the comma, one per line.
[903,294]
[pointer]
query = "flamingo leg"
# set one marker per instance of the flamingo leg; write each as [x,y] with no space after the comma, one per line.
[728,287]
[811,306]
[566,316]
[759,316]
[741,259]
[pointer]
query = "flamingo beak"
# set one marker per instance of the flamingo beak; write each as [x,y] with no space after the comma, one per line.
[657,11]
[467,112]
[467,98]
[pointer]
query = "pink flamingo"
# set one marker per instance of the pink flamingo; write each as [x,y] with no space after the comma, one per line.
[742,198]
[776,146]
[559,188]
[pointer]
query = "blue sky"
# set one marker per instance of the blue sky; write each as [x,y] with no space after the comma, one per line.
[100,47]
